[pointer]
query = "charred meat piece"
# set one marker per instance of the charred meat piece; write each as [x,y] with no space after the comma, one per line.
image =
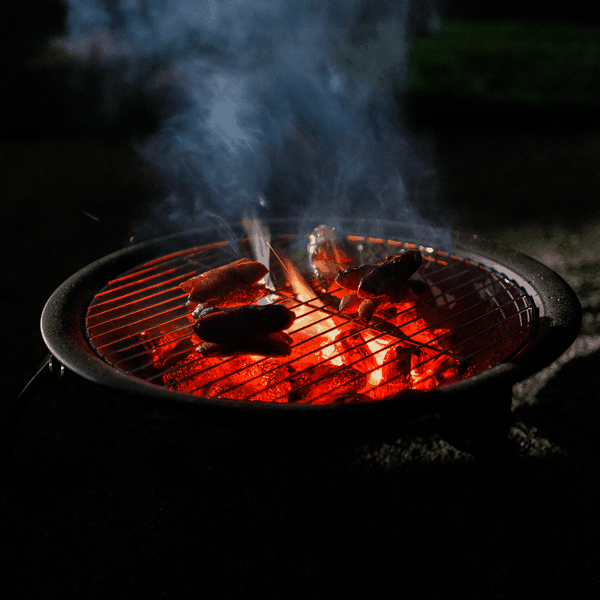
[235,282]
[367,309]
[350,302]
[369,285]
[389,276]
[382,278]
[225,325]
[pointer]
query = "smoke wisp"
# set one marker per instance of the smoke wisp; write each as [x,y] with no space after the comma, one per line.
[271,107]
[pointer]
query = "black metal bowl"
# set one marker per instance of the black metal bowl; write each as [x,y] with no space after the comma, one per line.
[557,324]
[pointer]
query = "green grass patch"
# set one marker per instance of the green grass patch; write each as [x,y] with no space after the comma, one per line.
[508,62]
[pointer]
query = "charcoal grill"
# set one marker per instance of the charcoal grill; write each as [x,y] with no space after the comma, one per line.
[140,325]
[498,316]
[510,317]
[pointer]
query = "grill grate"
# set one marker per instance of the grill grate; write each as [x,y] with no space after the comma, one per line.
[470,319]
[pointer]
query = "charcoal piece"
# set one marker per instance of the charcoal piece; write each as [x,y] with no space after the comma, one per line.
[323,384]
[397,365]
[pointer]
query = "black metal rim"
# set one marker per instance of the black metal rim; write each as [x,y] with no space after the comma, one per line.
[63,330]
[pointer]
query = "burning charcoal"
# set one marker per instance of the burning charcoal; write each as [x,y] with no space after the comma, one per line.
[397,365]
[354,351]
[327,384]
[234,378]
[234,282]
[395,375]
[237,380]
[275,384]
[390,275]
[192,376]
[269,344]
[225,325]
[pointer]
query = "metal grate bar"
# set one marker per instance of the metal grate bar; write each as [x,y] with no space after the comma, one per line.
[140,324]
[428,346]
[341,368]
[145,320]
[364,328]
[103,308]
[406,339]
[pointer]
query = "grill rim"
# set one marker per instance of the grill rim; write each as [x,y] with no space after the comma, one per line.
[556,327]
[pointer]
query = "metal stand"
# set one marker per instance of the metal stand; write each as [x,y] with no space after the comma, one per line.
[481,426]
[50,369]
[480,423]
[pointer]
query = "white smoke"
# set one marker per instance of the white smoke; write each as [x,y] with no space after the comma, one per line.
[284,104]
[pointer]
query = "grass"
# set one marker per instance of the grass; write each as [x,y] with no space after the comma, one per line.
[508,62]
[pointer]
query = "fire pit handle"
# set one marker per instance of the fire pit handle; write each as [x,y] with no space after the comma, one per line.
[49,369]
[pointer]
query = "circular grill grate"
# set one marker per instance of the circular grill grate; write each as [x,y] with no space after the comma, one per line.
[470,318]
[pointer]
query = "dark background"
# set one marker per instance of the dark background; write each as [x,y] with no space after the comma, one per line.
[116,497]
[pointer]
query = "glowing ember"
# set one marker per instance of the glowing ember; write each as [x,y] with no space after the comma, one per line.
[333,359]
[458,319]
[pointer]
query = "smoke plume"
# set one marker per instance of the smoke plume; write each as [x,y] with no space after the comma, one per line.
[271,107]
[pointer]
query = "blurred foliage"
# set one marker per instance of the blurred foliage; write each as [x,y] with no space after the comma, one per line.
[508,62]
[496,56]
[582,12]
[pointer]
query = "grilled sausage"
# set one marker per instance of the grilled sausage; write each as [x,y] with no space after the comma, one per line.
[225,325]
[367,309]
[225,283]
[234,297]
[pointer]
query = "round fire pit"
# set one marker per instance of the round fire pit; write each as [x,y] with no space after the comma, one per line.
[487,318]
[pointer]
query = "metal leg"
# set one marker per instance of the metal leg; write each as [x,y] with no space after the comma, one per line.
[480,424]
[482,427]
[49,369]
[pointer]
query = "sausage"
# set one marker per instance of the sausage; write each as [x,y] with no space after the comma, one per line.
[235,297]
[369,280]
[226,281]
[225,325]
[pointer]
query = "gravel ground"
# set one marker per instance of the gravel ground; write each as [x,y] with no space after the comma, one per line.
[114,497]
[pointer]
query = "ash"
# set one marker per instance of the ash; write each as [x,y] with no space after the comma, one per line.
[418,450]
